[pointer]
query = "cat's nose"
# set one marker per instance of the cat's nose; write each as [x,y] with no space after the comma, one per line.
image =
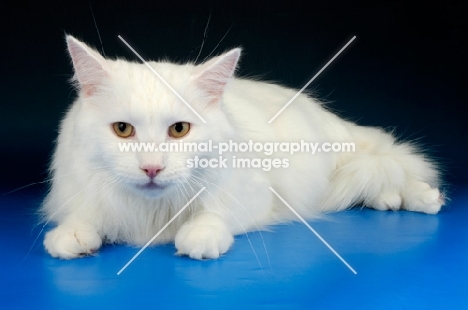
[151,170]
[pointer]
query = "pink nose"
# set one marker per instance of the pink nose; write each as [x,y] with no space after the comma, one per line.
[151,171]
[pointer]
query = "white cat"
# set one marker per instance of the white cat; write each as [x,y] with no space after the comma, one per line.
[100,194]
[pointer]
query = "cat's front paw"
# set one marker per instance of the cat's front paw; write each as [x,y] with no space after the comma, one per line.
[203,241]
[69,243]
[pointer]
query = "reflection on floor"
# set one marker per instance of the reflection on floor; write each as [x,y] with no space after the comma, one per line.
[404,260]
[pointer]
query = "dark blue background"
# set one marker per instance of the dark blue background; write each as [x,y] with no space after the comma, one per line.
[406,69]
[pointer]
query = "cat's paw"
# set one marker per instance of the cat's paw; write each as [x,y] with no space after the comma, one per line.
[203,241]
[421,197]
[69,243]
[390,200]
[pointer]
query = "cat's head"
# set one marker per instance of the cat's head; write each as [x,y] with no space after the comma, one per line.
[127,102]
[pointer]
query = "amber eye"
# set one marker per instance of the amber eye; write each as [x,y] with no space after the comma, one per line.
[178,130]
[123,130]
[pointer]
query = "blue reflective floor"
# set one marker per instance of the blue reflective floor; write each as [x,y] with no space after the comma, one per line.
[404,261]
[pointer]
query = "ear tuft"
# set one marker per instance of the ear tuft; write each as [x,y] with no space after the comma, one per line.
[216,73]
[88,64]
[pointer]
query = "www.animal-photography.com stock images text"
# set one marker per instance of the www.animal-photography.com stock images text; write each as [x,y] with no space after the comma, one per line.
[226,154]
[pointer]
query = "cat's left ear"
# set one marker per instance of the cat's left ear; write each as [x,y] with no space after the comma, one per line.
[213,76]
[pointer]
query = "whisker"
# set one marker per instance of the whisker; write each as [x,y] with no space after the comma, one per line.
[204,36]
[218,43]
[97,29]
[23,187]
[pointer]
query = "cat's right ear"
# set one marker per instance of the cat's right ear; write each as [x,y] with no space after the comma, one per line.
[89,65]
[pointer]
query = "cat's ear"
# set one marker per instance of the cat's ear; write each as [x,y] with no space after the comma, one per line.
[89,66]
[213,76]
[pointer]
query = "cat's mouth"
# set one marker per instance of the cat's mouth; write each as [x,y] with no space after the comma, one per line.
[151,186]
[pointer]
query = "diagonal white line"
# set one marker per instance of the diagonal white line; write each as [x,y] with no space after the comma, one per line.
[308,83]
[162,80]
[160,231]
[313,230]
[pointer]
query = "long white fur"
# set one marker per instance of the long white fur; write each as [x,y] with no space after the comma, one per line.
[95,198]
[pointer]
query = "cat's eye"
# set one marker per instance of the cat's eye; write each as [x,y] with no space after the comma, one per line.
[180,129]
[123,130]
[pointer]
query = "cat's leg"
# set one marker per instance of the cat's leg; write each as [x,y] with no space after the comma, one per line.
[384,175]
[72,239]
[205,236]
[229,208]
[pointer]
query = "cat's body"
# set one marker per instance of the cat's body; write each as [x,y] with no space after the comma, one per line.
[100,194]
